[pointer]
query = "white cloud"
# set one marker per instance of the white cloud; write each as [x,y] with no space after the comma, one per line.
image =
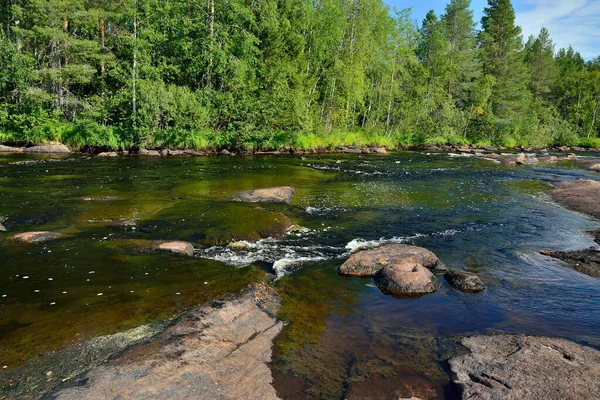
[570,22]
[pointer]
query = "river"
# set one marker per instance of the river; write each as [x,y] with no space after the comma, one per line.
[344,337]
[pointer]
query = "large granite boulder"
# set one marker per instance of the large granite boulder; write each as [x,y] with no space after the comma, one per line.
[367,263]
[406,279]
[10,149]
[516,367]
[464,281]
[279,194]
[36,237]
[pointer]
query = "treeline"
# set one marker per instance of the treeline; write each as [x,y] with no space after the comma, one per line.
[274,73]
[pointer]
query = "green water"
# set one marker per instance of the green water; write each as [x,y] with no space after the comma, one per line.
[344,338]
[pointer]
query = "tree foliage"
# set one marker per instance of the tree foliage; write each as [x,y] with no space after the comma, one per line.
[272,73]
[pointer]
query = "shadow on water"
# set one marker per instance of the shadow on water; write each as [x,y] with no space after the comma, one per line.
[344,337]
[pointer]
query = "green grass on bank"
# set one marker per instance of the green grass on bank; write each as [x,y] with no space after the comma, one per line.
[87,134]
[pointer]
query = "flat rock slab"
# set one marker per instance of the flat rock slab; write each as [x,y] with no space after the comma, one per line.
[590,164]
[50,148]
[586,261]
[406,279]
[178,247]
[579,195]
[36,237]
[212,352]
[367,263]
[464,281]
[515,367]
[279,194]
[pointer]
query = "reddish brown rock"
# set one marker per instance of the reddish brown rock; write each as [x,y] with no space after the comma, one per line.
[212,352]
[279,194]
[367,263]
[178,247]
[406,279]
[36,237]
[515,367]
[579,195]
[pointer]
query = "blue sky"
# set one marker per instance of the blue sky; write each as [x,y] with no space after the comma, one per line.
[570,22]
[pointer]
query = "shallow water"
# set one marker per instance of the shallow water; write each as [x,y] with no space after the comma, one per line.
[344,339]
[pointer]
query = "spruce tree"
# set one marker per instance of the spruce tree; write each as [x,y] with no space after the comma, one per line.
[501,45]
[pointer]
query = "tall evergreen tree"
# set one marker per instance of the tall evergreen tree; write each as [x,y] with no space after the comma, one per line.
[501,45]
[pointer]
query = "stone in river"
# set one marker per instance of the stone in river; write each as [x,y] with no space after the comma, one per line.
[407,279]
[108,154]
[48,148]
[279,194]
[178,247]
[36,237]
[464,281]
[367,263]
[507,366]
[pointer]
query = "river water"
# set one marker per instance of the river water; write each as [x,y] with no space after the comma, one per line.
[343,337]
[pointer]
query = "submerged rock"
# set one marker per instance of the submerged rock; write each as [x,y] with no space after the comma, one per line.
[464,281]
[48,148]
[178,247]
[367,263]
[103,198]
[586,261]
[36,237]
[506,366]
[218,351]
[579,195]
[406,279]
[279,194]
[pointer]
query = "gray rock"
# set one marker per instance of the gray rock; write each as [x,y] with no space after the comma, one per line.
[464,281]
[367,263]
[10,149]
[515,367]
[406,279]
[108,154]
[2,228]
[579,195]
[48,148]
[280,194]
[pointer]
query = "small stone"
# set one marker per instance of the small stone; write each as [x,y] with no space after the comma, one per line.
[464,281]
[178,247]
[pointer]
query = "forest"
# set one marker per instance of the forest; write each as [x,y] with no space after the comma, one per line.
[269,74]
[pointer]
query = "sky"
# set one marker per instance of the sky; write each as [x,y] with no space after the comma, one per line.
[570,22]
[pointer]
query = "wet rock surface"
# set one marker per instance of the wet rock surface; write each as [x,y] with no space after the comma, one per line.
[179,247]
[36,237]
[367,263]
[464,281]
[48,148]
[586,261]
[279,194]
[590,164]
[526,367]
[218,351]
[406,279]
[579,195]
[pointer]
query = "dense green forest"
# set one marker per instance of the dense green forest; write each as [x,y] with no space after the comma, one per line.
[274,73]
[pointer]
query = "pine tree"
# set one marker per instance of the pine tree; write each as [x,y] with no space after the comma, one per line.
[539,57]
